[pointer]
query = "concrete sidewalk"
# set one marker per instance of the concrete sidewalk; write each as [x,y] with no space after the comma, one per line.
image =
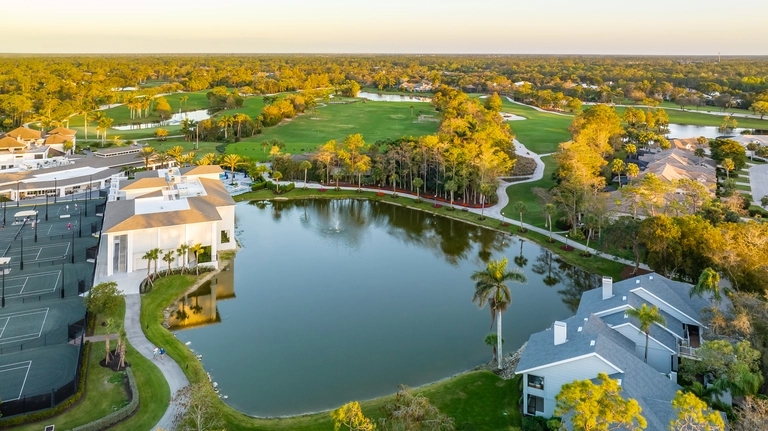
[170,369]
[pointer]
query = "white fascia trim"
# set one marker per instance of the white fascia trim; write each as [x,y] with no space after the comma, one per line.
[667,304]
[649,337]
[565,361]
[612,310]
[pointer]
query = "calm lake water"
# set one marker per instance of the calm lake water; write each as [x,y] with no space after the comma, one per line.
[687,131]
[393,97]
[175,120]
[336,300]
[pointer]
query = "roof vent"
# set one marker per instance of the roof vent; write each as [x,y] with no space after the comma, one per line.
[625,315]
[619,381]
[579,330]
[623,298]
[592,343]
[586,318]
[561,332]
[650,277]
[637,281]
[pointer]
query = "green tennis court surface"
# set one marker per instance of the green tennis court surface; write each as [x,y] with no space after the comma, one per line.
[33,284]
[34,252]
[13,377]
[22,325]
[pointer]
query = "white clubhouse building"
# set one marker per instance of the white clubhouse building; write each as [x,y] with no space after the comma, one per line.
[164,209]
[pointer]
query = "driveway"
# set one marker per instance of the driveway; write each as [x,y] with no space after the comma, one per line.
[758,178]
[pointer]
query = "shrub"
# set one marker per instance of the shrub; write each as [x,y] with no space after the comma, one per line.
[322,190]
[534,423]
[380,194]
[285,188]
[258,186]
[437,206]
[45,414]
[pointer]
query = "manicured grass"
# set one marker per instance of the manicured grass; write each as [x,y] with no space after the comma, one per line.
[98,329]
[743,188]
[702,119]
[479,398]
[540,132]
[203,147]
[154,394]
[105,393]
[534,213]
[374,120]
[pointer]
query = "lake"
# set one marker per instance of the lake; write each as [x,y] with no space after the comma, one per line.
[688,131]
[376,97]
[336,300]
[175,120]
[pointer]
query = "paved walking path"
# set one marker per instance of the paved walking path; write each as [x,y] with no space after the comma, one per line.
[170,369]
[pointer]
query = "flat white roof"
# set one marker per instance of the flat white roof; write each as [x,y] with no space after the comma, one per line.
[65,174]
[159,205]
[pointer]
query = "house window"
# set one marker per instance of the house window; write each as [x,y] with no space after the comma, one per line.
[535,382]
[38,156]
[535,404]
[224,236]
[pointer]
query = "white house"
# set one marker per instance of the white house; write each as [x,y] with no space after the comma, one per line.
[602,338]
[164,209]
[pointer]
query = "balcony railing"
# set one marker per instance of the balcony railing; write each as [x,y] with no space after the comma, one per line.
[689,352]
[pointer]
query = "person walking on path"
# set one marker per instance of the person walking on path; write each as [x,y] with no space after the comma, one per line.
[67,207]
[155,352]
[69,226]
[162,353]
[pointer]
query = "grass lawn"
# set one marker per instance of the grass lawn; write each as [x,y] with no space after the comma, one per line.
[479,398]
[101,330]
[104,394]
[307,132]
[523,192]
[702,119]
[154,393]
[539,132]
[743,188]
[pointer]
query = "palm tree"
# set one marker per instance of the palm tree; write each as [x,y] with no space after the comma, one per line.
[94,117]
[225,122]
[521,208]
[155,256]
[647,317]
[196,249]
[632,170]
[305,165]
[168,258]
[182,252]
[590,222]
[104,124]
[147,153]
[699,153]
[148,257]
[617,168]
[232,161]
[709,282]
[550,210]
[68,146]
[239,118]
[163,158]
[492,340]
[490,288]
[176,152]
[451,186]
[418,182]
[276,175]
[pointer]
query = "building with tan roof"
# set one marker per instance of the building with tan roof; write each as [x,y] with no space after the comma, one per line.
[164,210]
[26,135]
[15,152]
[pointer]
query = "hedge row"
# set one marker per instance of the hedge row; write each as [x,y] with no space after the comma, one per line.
[285,188]
[115,417]
[255,187]
[45,414]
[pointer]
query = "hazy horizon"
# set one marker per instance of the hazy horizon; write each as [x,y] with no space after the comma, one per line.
[490,27]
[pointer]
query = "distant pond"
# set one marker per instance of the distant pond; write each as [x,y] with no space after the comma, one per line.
[687,131]
[175,120]
[336,300]
[377,97]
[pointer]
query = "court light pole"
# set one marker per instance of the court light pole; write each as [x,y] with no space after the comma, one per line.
[3,301]
[21,261]
[55,190]
[46,205]
[88,195]
[73,247]
[18,197]
[80,226]
[62,279]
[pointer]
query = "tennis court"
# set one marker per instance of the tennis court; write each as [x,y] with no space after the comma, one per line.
[22,325]
[14,377]
[38,252]
[30,375]
[33,284]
